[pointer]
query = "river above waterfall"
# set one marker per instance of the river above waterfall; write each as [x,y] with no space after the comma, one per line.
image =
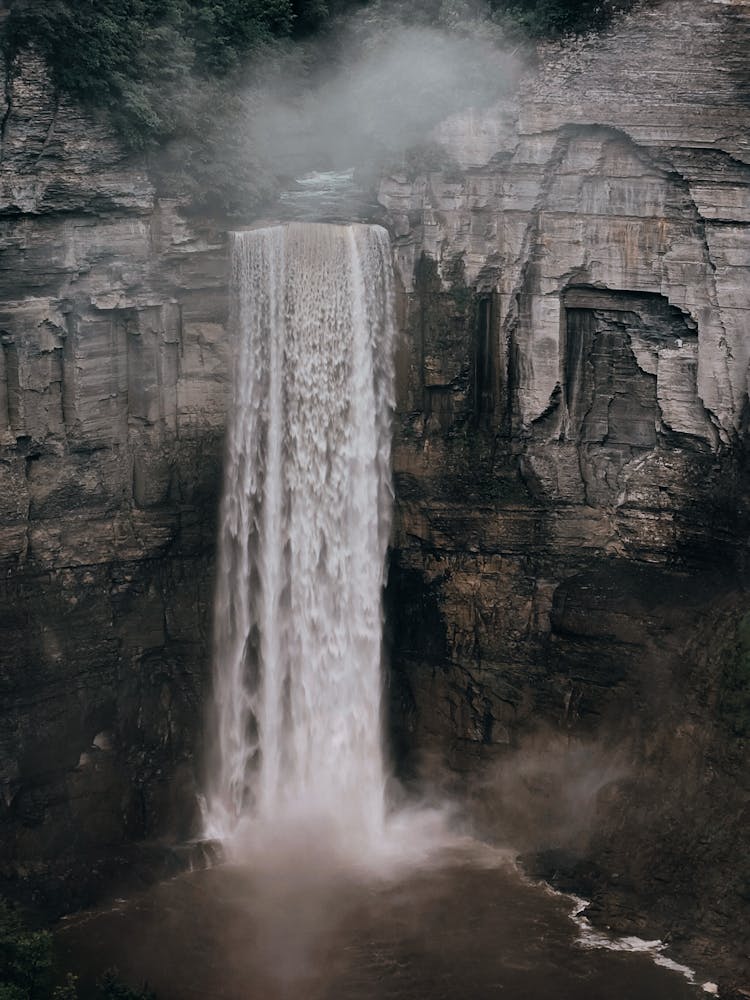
[328,195]
[468,928]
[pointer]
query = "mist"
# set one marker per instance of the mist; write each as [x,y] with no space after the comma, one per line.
[393,83]
[549,791]
[363,96]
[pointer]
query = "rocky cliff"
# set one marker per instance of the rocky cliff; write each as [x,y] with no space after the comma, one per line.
[569,568]
[113,377]
[567,594]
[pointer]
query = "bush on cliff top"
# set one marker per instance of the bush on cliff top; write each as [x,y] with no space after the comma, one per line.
[135,57]
[553,18]
[25,958]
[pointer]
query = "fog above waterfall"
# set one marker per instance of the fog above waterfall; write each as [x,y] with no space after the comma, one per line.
[364,94]
[383,86]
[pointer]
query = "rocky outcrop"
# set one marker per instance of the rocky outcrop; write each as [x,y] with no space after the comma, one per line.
[113,381]
[569,567]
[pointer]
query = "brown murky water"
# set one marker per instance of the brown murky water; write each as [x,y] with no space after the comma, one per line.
[459,931]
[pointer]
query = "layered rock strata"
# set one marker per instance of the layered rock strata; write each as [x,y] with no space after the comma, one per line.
[113,382]
[568,580]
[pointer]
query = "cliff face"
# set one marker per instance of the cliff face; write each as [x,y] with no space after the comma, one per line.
[113,378]
[568,581]
[567,595]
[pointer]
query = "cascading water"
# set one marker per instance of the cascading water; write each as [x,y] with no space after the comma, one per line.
[304,529]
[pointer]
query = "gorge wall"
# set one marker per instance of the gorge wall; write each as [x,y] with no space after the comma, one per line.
[567,596]
[568,587]
[113,376]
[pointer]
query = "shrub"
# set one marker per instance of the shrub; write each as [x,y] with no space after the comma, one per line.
[25,958]
[135,58]
[111,987]
[27,967]
[553,18]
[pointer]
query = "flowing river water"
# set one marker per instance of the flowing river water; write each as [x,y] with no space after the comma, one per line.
[326,893]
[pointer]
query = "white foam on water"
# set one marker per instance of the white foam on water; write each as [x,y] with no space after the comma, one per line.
[589,937]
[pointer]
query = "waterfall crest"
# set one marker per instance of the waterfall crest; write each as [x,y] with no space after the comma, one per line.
[304,529]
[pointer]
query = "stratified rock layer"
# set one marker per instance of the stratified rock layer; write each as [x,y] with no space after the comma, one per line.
[568,581]
[113,379]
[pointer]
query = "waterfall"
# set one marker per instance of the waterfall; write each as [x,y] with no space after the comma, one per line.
[304,529]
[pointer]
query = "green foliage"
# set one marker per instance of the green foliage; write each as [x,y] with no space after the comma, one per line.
[114,54]
[216,168]
[165,73]
[27,967]
[111,987]
[68,991]
[529,18]
[734,698]
[137,58]
[222,32]
[552,18]
[25,958]
[310,14]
